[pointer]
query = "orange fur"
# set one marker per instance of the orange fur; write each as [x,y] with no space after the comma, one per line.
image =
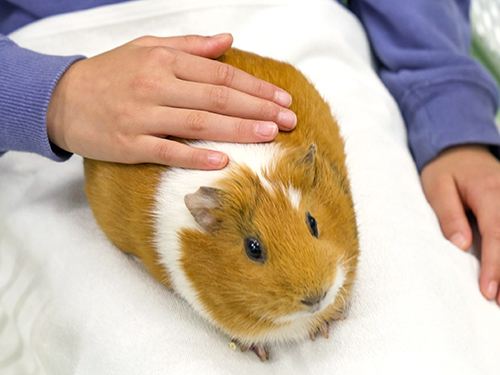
[244,297]
[122,199]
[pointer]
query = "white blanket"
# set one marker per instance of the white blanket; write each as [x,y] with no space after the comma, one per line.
[71,303]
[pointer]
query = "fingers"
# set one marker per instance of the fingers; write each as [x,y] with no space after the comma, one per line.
[156,87]
[186,66]
[442,194]
[205,125]
[150,149]
[217,73]
[485,203]
[490,263]
[229,102]
[205,46]
[470,174]
[208,85]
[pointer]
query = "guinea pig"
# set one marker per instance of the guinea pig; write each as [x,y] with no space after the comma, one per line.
[265,249]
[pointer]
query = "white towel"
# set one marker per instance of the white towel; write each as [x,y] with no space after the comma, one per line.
[71,303]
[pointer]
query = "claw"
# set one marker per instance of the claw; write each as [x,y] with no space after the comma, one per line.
[260,350]
[312,335]
[337,316]
[235,343]
[324,328]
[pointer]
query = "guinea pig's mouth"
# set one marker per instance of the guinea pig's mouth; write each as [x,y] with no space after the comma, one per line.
[316,308]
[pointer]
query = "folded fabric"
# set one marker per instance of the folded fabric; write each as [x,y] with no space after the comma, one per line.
[72,303]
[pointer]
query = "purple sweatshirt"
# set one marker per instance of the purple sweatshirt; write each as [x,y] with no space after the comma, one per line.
[422,46]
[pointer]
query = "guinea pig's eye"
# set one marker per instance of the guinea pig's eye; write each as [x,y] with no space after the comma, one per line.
[313,226]
[254,250]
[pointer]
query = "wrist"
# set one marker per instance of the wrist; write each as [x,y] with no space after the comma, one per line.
[56,116]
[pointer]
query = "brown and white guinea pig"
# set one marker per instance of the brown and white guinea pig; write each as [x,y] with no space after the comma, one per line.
[266,249]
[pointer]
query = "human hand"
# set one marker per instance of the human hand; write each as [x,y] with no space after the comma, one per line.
[463,178]
[121,105]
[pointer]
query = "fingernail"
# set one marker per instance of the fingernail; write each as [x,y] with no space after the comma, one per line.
[491,292]
[458,240]
[265,129]
[216,159]
[222,35]
[287,118]
[282,98]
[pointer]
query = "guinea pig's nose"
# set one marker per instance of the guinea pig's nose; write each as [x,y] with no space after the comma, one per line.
[313,299]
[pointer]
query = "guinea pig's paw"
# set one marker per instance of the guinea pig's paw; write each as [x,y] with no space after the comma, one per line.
[261,350]
[337,316]
[323,328]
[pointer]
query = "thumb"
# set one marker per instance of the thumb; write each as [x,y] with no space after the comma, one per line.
[444,197]
[205,46]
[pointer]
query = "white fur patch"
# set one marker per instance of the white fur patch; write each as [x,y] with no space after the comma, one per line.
[172,214]
[299,322]
[266,184]
[296,326]
[294,195]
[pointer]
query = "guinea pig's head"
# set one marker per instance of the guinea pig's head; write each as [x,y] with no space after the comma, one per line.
[276,250]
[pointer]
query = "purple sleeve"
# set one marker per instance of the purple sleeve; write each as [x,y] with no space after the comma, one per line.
[27,80]
[446,97]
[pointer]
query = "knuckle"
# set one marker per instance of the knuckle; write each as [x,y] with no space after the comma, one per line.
[194,41]
[269,111]
[145,40]
[195,159]
[127,112]
[196,121]
[263,90]
[491,182]
[144,83]
[165,152]
[130,121]
[218,97]
[164,55]
[241,128]
[123,140]
[225,74]
[189,39]
[125,145]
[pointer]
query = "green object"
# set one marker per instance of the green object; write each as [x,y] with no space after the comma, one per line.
[485,25]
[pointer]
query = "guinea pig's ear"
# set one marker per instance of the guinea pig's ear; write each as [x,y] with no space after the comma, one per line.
[305,167]
[202,204]
[308,160]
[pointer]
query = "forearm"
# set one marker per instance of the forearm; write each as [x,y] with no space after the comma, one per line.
[446,98]
[27,80]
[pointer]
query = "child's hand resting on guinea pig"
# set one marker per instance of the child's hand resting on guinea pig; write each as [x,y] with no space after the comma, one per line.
[121,105]
[463,178]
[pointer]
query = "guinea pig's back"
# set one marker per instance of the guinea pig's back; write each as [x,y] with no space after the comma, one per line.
[315,121]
